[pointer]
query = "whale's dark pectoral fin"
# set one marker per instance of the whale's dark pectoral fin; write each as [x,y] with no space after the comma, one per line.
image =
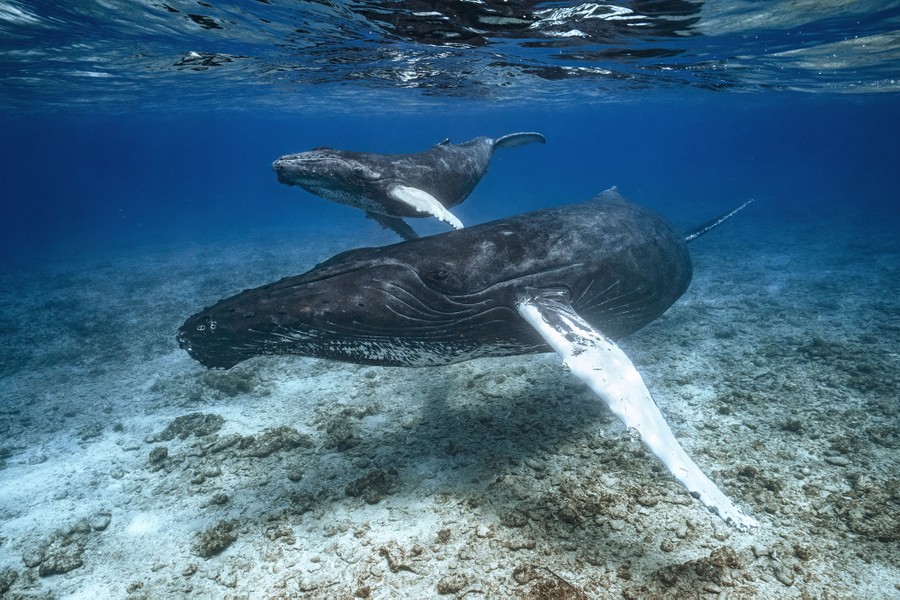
[605,368]
[424,202]
[395,224]
[514,140]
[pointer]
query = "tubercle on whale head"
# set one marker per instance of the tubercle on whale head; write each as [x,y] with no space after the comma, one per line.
[324,166]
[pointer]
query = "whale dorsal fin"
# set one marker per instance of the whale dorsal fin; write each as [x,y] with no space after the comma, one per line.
[422,201]
[607,370]
[514,140]
[610,194]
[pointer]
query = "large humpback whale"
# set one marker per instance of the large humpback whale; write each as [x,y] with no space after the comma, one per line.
[389,187]
[570,279]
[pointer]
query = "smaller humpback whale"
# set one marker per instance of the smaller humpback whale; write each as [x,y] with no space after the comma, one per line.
[389,187]
[570,279]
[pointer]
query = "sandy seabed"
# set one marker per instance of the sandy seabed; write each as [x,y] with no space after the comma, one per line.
[129,471]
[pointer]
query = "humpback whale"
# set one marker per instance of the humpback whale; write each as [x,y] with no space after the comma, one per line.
[389,187]
[570,279]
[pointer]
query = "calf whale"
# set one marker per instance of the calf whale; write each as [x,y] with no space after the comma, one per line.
[570,279]
[389,187]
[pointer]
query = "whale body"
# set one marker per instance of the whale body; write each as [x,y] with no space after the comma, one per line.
[570,279]
[391,187]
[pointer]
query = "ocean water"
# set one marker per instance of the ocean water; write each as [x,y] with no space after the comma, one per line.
[137,189]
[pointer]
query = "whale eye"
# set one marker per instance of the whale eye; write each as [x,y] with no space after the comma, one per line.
[437,274]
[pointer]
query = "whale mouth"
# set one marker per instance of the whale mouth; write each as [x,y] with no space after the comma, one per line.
[291,171]
[183,342]
[211,356]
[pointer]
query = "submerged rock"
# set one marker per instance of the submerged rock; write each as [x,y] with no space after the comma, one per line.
[8,577]
[197,424]
[157,458]
[228,383]
[64,550]
[451,584]
[400,559]
[217,538]
[716,569]
[374,485]
[61,556]
[555,588]
[100,520]
[274,440]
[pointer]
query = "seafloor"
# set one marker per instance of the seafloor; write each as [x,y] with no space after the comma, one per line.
[129,471]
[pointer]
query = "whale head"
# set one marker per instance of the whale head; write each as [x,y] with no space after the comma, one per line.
[357,307]
[332,174]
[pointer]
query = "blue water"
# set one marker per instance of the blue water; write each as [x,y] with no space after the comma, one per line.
[82,181]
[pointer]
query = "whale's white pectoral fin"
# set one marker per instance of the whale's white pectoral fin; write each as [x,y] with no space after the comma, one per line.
[600,363]
[424,202]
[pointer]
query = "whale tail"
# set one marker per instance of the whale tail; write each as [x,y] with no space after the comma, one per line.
[514,140]
[693,234]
